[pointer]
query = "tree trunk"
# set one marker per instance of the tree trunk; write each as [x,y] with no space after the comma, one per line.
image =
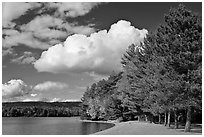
[159,118]
[139,118]
[151,118]
[188,120]
[146,118]
[175,119]
[169,119]
[165,118]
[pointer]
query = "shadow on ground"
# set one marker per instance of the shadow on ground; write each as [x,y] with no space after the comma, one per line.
[195,128]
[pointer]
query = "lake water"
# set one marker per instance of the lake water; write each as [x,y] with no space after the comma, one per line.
[50,126]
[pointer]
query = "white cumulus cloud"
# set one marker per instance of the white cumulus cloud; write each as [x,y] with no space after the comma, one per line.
[55,100]
[14,88]
[26,38]
[6,52]
[48,85]
[98,53]
[26,58]
[13,10]
[43,30]
[33,95]
[72,9]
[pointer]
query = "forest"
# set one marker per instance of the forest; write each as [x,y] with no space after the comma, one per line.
[161,79]
[41,109]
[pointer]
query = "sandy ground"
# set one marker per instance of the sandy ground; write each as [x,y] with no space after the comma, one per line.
[142,128]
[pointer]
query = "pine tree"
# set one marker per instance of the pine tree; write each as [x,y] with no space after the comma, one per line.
[164,73]
[98,100]
[180,41]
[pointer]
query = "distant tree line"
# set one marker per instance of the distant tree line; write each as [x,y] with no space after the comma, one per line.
[41,109]
[161,79]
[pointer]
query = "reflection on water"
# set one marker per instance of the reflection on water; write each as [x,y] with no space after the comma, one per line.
[50,126]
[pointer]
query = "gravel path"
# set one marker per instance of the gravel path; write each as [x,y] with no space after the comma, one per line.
[142,128]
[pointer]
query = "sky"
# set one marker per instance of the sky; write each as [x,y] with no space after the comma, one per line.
[53,51]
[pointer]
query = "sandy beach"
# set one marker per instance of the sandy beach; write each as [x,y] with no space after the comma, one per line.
[143,128]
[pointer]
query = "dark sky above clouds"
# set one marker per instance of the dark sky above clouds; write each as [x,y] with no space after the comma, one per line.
[53,51]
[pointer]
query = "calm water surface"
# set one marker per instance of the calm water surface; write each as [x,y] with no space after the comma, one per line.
[50,126]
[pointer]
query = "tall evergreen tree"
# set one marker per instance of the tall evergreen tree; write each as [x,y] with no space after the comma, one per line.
[161,75]
[98,102]
[165,71]
[180,39]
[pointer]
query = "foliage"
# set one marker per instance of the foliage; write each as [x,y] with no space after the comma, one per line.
[97,101]
[41,109]
[163,74]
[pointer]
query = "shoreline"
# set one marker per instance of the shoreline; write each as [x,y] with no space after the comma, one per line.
[140,128]
[100,121]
